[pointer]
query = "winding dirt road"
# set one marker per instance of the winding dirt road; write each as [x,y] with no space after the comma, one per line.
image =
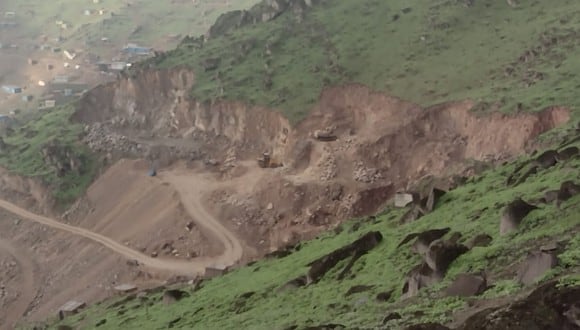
[189,188]
[26,286]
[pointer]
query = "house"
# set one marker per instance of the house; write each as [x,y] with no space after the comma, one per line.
[47,104]
[12,89]
[136,50]
[118,66]
[61,79]
[88,12]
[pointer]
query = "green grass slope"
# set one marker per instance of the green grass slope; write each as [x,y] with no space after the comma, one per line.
[427,52]
[24,153]
[471,209]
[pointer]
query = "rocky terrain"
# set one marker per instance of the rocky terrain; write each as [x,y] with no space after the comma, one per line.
[230,183]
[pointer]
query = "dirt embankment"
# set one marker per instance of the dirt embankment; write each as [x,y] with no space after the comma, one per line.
[26,192]
[377,144]
[354,151]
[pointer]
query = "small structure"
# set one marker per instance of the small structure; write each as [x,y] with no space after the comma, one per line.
[27,98]
[103,67]
[61,79]
[5,119]
[136,50]
[12,89]
[70,308]
[47,104]
[118,66]
[69,55]
[125,288]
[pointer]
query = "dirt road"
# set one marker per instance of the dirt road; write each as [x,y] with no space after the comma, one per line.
[191,195]
[26,286]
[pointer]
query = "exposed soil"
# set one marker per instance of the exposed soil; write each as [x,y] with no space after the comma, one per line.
[211,205]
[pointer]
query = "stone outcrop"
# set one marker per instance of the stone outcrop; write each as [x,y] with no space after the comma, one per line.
[513,214]
[355,250]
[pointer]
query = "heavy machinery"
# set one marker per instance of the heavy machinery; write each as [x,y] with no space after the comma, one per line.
[266,161]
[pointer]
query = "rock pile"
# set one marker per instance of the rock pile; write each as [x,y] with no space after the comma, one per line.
[100,139]
[365,174]
[328,166]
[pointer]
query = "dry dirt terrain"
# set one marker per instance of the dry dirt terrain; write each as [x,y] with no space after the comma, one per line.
[219,208]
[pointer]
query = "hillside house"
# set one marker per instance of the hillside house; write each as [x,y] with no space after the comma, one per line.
[118,66]
[133,49]
[47,104]
[12,89]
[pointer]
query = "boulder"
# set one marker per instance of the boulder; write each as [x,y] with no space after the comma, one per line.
[404,199]
[358,289]
[361,246]
[426,237]
[535,266]
[442,253]
[568,189]
[390,317]
[466,285]
[513,214]
[173,295]
[427,326]
[547,307]
[421,276]
[413,214]
[330,326]
[298,282]
[433,197]
[479,240]
[384,296]
[568,153]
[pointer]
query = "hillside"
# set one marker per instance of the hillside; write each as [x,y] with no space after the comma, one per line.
[502,57]
[95,32]
[271,294]
[274,146]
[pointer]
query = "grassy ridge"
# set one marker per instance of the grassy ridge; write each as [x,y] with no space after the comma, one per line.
[25,146]
[218,304]
[426,52]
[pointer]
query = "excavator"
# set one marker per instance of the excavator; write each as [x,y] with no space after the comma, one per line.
[266,161]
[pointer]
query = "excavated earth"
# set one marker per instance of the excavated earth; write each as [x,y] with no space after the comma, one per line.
[206,154]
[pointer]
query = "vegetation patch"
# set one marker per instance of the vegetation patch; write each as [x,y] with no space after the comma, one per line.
[502,57]
[48,147]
